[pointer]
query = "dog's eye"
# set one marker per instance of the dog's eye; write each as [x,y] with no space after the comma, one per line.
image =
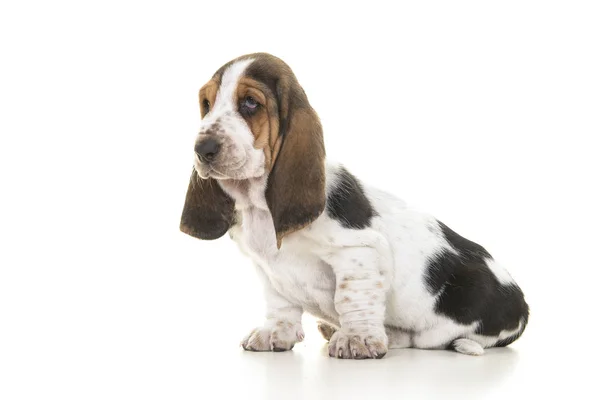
[206,105]
[249,103]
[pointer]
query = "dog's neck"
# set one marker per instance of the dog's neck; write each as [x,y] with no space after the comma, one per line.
[254,224]
[247,193]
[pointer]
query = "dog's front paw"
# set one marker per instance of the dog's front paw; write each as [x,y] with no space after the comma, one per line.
[280,336]
[369,344]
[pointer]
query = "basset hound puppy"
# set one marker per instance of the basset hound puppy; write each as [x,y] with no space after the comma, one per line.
[376,273]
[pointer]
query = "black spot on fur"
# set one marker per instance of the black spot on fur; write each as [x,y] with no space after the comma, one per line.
[468,290]
[348,204]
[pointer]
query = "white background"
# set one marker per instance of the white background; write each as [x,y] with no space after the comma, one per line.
[484,114]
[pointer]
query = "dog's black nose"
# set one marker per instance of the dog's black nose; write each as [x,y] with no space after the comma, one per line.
[207,149]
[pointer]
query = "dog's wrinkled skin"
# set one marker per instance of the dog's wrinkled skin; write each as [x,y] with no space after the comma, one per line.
[376,273]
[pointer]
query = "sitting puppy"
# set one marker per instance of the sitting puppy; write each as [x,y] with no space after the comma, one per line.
[376,274]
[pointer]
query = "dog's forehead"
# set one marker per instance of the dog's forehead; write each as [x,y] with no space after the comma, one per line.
[230,76]
[223,86]
[261,67]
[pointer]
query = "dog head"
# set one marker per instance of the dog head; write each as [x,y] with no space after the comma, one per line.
[256,121]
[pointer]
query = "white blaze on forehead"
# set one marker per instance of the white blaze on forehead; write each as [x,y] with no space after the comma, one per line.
[225,100]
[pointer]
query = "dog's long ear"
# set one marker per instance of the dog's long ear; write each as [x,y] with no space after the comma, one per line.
[295,191]
[208,212]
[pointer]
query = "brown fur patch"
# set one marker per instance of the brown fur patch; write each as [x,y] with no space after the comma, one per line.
[296,186]
[207,92]
[264,123]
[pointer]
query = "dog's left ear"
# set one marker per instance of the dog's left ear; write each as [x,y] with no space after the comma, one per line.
[208,212]
[295,191]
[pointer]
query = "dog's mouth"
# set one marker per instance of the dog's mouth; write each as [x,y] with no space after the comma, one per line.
[216,171]
[232,165]
[207,171]
[215,174]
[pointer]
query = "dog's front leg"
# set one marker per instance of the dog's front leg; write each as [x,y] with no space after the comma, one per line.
[282,328]
[360,294]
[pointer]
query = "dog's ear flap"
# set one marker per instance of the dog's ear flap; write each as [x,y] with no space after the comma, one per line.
[208,212]
[295,191]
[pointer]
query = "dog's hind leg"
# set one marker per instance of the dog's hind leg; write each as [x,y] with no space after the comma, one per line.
[326,330]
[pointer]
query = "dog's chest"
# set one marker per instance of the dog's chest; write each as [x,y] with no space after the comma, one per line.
[293,270]
[257,234]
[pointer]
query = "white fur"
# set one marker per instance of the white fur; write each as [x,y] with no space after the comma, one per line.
[467,346]
[500,272]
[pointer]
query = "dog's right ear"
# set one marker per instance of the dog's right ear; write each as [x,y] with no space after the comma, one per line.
[208,212]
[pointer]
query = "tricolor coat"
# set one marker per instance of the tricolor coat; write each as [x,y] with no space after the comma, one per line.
[376,273]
